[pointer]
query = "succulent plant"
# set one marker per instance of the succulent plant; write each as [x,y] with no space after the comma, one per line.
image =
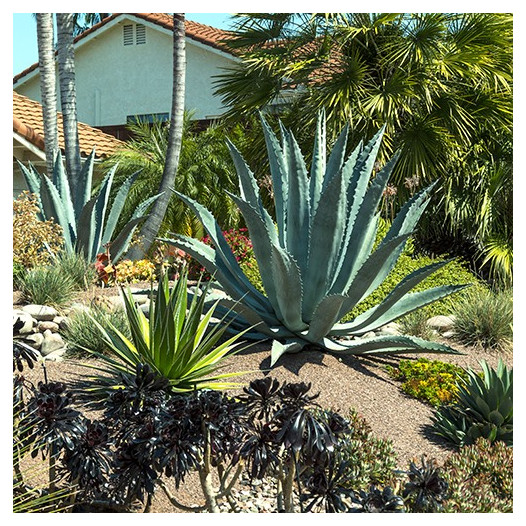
[483,408]
[317,262]
[87,222]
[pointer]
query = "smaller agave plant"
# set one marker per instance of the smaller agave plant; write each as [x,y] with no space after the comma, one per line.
[318,261]
[88,223]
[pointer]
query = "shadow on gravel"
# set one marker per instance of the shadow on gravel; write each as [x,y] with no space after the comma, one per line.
[426,430]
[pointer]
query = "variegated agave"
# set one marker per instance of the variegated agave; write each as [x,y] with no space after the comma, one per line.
[317,261]
[87,222]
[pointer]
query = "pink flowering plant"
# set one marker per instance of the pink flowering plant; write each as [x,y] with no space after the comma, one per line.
[241,246]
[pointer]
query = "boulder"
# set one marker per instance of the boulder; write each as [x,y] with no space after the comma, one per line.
[48,326]
[40,312]
[35,340]
[56,356]
[61,321]
[28,321]
[52,342]
[441,323]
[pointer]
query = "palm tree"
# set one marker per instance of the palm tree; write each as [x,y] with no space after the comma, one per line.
[151,226]
[441,83]
[46,65]
[205,172]
[68,95]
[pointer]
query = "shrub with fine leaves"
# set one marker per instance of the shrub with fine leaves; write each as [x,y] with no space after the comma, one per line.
[34,241]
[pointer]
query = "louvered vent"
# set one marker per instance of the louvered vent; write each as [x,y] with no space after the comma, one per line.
[127,32]
[140,34]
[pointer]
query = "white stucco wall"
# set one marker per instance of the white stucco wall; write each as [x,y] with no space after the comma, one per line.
[115,81]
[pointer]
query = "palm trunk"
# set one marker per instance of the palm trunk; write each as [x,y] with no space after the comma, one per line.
[48,90]
[152,224]
[68,95]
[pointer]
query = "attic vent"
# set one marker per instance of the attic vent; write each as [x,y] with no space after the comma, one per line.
[127,32]
[140,34]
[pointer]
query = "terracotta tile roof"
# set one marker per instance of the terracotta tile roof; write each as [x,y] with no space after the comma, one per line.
[211,36]
[28,122]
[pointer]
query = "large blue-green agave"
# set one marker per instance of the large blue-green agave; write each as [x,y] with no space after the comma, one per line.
[87,222]
[317,259]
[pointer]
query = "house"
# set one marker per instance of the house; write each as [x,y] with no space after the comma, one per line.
[28,139]
[124,65]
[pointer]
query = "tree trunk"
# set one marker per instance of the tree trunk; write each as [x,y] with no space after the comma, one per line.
[48,90]
[153,222]
[68,96]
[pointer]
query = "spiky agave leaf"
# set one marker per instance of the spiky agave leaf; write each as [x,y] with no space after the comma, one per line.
[317,262]
[88,222]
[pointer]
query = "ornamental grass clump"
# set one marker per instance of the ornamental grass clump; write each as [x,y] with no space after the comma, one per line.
[318,261]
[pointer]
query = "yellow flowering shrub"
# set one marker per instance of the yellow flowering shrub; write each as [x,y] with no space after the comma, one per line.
[127,271]
[30,235]
[434,382]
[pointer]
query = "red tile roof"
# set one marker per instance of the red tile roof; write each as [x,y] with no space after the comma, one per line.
[208,35]
[28,122]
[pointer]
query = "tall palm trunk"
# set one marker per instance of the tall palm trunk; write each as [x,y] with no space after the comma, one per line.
[153,222]
[68,95]
[46,65]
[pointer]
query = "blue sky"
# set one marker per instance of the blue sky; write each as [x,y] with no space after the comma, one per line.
[25,35]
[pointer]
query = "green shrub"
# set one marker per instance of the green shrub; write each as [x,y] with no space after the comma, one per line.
[82,334]
[483,408]
[485,318]
[77,267]
[47,286]
[434,382]
[34,241]
[453,273]
[18,271]
[372,460]
[415,324]
[480,478]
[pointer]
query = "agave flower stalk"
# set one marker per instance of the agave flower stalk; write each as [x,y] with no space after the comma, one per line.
[88,223]
[318,261]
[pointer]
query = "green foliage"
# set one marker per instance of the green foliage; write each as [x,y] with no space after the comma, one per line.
[47,286]
[18,271]
[480,478]
[415,324]
[485,318]
[434,382]
[483,408]
[453,272]
[76,267]
[88,223]
[319,262]
[447,106]
[205,172]
[34,241]
[372,460]
[84,336]
[175,341]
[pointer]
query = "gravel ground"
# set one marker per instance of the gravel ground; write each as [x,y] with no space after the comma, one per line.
[360,383]
[343,383]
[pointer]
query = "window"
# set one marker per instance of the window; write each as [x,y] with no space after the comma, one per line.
[134,34]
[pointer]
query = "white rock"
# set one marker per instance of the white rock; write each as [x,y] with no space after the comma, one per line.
[52,342]
[61,321]
[29,321]
[40,312]
[389,331]
[441,323]
[56,356]
[448,334]
[35,340]
[47,326]
[367,335]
